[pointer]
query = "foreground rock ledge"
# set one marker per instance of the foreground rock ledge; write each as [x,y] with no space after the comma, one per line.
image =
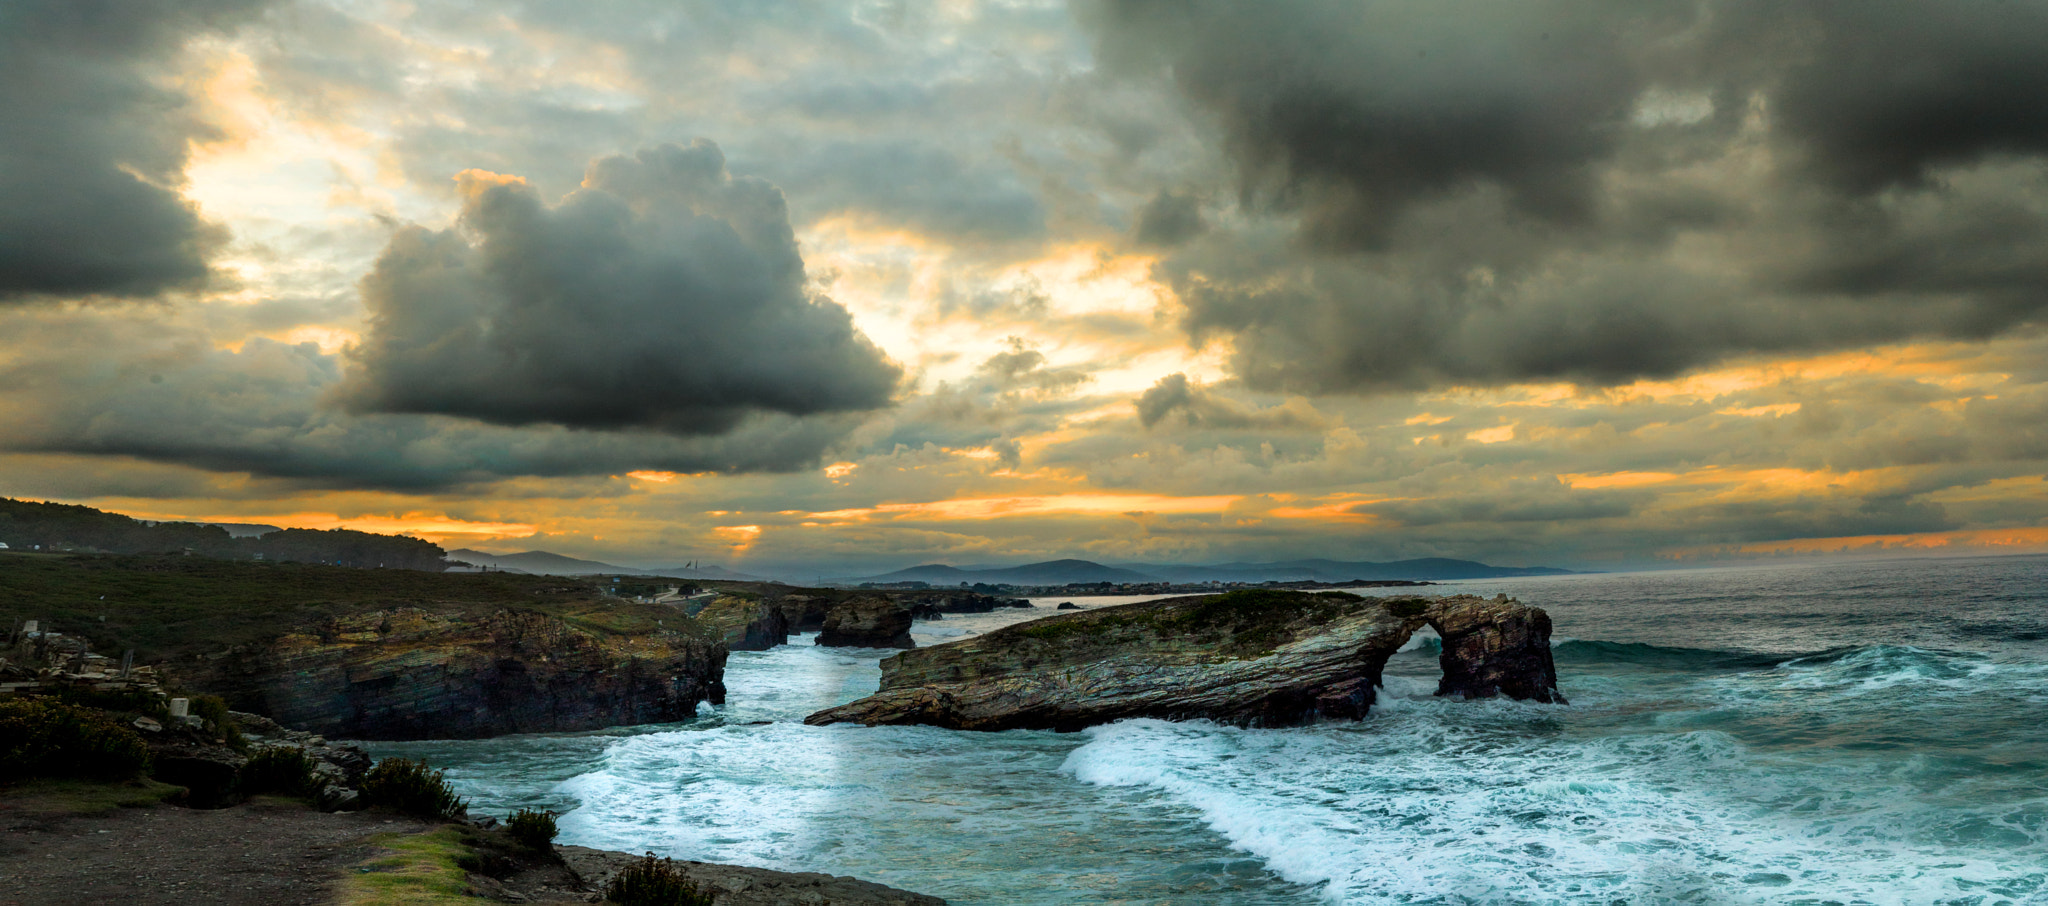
[1255,658]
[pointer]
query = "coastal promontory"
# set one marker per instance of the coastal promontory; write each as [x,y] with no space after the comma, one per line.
[1257,658]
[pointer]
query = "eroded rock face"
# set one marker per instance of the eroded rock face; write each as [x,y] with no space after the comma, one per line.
[1263,658]
[1498,647]
[747,624]
[410,674]
[867,622]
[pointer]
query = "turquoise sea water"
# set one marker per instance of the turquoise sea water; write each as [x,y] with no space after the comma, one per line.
[1869,732]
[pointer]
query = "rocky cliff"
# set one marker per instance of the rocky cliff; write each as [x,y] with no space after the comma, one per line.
[1250,657]
[867,621]
[747,623]
[407,673]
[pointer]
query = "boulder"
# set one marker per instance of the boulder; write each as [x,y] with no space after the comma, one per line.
[1068,605]
[207,771]
[1254,658]
[868,621]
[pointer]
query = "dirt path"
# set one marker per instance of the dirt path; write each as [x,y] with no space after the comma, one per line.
[263,853]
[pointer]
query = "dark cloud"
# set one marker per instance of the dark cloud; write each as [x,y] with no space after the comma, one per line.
[93,147]
[1170,219]
[152,391]
[665,295]
[1887,92]
[1600,191]
[1354,111]
[1200,407]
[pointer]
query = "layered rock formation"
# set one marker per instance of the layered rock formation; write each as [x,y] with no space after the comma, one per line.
[750,624]
[868,621]
[407,673]
[1265,658]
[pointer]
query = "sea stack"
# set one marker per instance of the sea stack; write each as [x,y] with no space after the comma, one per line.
[867,622]
[1253,658]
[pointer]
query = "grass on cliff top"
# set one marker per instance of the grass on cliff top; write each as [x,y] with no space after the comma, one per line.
[418,868]
[169,608]
[1255,620]
[47,798]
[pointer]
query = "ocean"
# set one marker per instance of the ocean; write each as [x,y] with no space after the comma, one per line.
[1843,732]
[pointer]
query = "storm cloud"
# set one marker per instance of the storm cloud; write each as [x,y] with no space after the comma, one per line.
[156,391]
[665,294]
[1599,191]
[94,147]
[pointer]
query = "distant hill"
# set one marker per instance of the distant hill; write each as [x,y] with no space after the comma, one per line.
[1051,572]
[245,529]
[1319,570]
[705,572]
[1065,572]
[28,525]
[538,562]
[552,564]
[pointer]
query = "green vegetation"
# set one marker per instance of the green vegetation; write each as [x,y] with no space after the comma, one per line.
[1406,608]
[532,829]
[54,739]
[279,769]
[412,788]
[58,797]
[212,710]
[418,869]
[130,704]
[169,608]
[654,882]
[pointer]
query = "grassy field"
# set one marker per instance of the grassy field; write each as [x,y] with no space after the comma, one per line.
[171,607]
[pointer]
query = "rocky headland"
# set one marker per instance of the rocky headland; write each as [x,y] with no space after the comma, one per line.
[409,673]
[1262,658]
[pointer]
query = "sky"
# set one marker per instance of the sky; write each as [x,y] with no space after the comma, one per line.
[848,286]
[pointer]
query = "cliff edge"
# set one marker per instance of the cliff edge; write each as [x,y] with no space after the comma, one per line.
[409,673]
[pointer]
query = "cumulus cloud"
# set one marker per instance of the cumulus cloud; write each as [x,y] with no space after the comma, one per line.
[94,147]
[664,294]
[151,390]
[1599,191]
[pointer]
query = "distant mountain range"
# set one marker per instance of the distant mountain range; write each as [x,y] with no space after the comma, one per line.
[1064,572]
[545,563]
[1424,568]
[1051,572]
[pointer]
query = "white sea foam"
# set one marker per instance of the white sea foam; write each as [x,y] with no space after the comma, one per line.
[1418,806]
[1874,775]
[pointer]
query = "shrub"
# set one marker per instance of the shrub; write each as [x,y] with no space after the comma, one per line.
[280,769]
[533,829]
[213,711]
[654,882]
[146,704]
[54,739]
[408,786]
